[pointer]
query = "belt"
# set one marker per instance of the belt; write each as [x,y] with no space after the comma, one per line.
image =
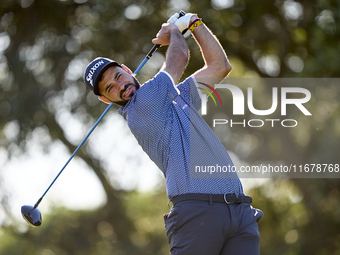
[228,198]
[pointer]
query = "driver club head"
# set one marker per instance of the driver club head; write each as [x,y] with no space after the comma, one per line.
[31,215]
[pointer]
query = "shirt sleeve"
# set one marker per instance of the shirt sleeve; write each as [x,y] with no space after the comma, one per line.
[189,92]
[154,98]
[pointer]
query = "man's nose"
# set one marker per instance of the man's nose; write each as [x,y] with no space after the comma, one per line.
[119,86]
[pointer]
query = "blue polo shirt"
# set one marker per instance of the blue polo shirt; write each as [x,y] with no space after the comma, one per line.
[165,121]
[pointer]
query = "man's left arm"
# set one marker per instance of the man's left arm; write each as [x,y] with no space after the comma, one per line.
[216,64]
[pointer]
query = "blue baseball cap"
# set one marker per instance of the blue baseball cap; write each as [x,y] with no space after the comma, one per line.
[94,71]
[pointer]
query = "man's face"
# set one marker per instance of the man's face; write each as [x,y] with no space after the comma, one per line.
[117,85]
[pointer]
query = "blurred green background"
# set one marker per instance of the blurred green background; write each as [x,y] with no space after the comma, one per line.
[44,48]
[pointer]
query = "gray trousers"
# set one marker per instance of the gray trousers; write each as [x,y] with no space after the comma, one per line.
[203,228]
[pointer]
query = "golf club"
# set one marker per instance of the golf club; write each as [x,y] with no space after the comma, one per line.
[31,213]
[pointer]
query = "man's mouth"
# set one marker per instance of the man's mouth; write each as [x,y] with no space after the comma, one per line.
[127,92]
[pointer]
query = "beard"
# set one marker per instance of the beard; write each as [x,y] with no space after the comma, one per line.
[123,102]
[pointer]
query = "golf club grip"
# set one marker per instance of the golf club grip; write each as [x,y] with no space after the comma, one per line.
[156,47]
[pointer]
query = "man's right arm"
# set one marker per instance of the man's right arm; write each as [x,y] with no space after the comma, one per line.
[177,55]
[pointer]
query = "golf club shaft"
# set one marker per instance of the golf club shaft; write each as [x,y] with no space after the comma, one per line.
[74,153]
[148,56]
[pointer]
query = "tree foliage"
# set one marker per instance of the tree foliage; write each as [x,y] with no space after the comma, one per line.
[44,48]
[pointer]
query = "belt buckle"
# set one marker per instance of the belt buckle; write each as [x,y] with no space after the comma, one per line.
[225,199]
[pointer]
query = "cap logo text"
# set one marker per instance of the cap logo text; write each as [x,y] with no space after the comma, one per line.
[92,71]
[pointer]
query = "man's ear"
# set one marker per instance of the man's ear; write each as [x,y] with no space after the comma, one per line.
[126,69]
[104,100]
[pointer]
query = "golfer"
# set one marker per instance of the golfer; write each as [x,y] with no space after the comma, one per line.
[210,215]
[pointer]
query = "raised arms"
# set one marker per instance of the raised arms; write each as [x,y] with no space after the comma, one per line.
[216,65]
